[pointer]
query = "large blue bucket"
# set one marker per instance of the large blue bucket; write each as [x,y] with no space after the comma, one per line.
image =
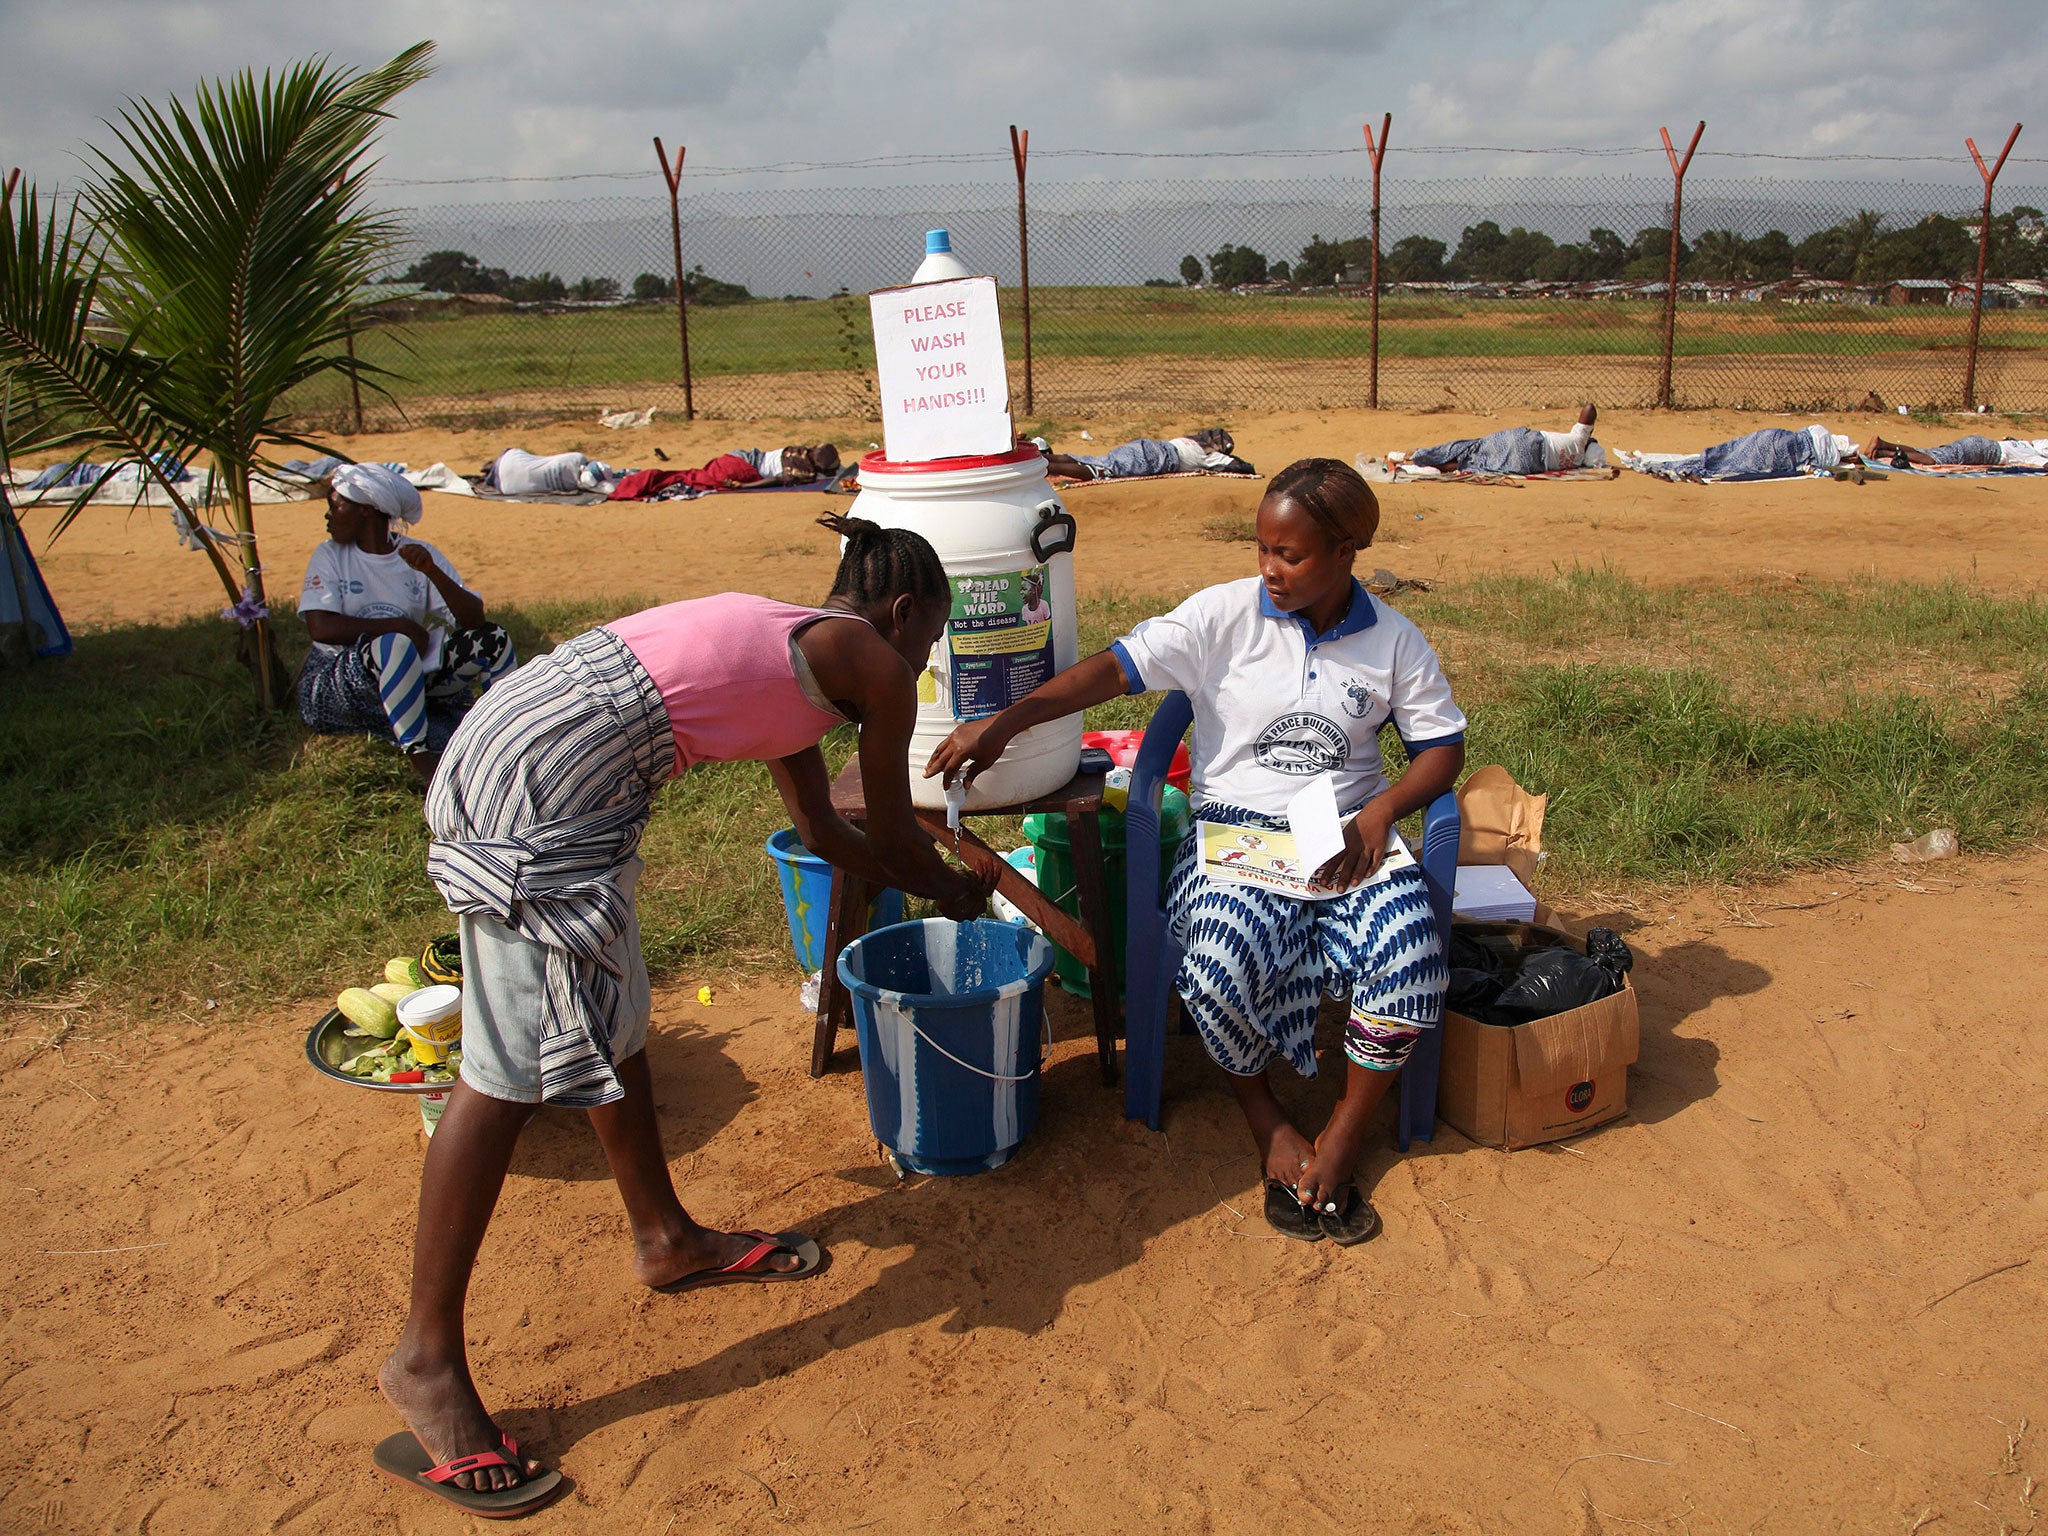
[807,898]
[950,1019]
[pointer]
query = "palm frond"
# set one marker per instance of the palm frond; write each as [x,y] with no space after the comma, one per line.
[66,389]
[238,237]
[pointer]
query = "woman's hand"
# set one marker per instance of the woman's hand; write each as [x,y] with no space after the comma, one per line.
[416,556]
[966,902]
[973,746]
[1365,842]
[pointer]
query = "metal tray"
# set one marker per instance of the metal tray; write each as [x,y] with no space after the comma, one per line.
[327,1048]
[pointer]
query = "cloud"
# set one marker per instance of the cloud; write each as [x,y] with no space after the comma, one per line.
[529,89]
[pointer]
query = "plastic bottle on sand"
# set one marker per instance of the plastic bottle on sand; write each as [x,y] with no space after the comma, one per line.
[940,264]
[1941,843]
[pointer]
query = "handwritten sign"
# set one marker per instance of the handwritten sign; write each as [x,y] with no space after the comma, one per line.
[939,362]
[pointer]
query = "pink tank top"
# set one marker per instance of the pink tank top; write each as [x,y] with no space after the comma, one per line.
[728,673]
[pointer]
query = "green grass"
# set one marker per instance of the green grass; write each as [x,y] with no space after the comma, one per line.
[511,352]
[164,842]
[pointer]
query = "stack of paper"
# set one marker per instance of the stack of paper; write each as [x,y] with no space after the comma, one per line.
[1490,893]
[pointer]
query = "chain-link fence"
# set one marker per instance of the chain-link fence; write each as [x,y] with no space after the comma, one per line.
[1191,297]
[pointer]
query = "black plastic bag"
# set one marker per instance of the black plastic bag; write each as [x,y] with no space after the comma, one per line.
[1606,949]
[1472,991]
[1550,982]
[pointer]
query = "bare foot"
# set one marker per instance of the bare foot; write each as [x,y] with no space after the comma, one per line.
[1337,1149]
[439,1405]
[1284,1152]
[1334,1161]
[661,1260]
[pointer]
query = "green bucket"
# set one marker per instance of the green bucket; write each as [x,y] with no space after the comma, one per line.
[1048,835]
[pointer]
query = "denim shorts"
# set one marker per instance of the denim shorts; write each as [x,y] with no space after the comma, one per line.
[504,979]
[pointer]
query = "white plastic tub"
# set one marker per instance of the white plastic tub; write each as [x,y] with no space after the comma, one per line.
[1006,541]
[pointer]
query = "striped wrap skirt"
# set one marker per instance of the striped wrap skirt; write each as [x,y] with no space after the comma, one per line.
[537,812]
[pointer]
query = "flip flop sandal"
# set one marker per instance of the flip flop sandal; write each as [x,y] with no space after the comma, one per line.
[404,1460]
[1353,1222]
[1288,1216]
[810,1258]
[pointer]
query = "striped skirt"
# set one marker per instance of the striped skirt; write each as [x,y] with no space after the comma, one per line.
[537,811]
[1256,964]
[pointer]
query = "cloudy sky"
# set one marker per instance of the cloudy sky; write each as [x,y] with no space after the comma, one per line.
[532,89]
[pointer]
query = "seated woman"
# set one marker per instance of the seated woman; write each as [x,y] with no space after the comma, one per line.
[1209,449]
[1291,673]
[397,638]
[1515,451]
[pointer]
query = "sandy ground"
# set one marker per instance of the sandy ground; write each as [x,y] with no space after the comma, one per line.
[1800,1289]
[121,565]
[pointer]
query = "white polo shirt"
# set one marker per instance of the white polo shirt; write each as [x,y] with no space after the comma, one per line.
[1276,703]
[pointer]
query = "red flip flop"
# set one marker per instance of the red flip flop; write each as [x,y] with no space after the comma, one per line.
[810,1258]
[403,1459]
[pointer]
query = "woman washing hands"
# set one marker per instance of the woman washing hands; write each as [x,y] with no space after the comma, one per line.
[537,814]
[1291,674]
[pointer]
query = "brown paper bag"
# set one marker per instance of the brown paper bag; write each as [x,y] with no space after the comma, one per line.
[1502,823]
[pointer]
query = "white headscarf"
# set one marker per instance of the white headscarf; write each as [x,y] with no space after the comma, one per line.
[379,486]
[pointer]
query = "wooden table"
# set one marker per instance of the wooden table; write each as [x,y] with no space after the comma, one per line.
[1087,938]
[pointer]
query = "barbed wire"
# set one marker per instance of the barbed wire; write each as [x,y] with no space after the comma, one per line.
[1002,157]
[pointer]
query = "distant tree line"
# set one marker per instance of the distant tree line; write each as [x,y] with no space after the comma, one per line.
[460,272]
[1857,250]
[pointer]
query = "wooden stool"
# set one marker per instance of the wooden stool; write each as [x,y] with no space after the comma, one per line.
[1088,940]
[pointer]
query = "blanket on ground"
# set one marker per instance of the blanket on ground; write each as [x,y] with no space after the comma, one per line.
[1954,471]
[1380,472]
[1066,484]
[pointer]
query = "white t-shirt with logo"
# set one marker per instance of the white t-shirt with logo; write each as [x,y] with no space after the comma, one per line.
[1275,705]
[341,578]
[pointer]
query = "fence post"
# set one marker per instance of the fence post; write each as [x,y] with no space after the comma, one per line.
[1020,146]
[1379,154]
[1983,251]
[1671,277]
[675,228]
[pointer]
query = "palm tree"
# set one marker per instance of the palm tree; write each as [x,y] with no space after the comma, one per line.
[231,241]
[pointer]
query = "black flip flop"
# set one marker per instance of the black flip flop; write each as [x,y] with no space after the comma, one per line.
[405,1460]
[748,1267]
[1288,1216]
[1353,1222]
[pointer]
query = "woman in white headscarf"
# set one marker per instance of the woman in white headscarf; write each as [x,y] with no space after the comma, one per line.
[398,640]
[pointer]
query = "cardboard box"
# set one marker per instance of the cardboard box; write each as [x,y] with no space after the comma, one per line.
[1551,1078]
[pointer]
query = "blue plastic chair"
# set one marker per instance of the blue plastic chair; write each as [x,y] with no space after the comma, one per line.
[1154,957]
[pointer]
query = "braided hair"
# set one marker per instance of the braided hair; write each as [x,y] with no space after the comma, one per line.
[1334,495]
[882,564]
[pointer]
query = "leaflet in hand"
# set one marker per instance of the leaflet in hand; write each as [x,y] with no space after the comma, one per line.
[1286,862]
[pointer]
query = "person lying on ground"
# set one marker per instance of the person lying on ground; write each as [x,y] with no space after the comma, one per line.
[1291,673]
[515,472]
[742,469]
[537,815]
[1516,451]
[2015,452]
[398,640]
[1209,449]
[1769,453]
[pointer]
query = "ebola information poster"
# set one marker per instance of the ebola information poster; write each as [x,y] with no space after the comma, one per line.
[939,364]
[999,640]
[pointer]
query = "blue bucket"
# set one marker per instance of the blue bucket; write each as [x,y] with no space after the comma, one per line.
[950,1019]
[807,898]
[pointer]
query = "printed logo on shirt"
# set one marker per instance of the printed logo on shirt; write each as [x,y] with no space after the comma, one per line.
[1359,698]
[1302,744]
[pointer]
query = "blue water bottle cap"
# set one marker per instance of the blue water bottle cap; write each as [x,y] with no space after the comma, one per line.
[937,240]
